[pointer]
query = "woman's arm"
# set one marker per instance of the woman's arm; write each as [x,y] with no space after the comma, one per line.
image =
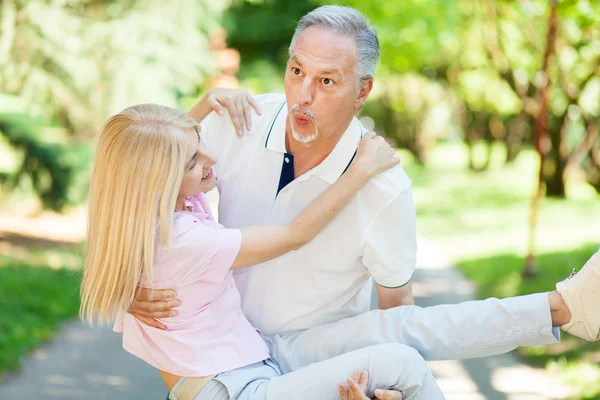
[263,243]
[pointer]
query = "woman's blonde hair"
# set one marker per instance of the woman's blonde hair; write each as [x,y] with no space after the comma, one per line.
[136,177]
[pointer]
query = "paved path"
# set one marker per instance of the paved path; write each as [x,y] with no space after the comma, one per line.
[84,363]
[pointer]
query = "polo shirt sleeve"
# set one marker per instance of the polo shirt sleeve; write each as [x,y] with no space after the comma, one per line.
[390,244]
[204,252]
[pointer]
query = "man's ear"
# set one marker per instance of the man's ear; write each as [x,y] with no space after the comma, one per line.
[366,85]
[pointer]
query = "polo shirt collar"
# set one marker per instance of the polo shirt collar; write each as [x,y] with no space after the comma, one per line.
[276,135]
[336,162]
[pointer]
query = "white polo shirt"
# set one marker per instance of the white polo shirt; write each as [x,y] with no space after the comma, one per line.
[329,278]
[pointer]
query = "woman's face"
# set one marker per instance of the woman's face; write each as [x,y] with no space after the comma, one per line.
[199,175]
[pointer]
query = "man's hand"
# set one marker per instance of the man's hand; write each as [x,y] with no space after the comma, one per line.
[357,387]
[153,304]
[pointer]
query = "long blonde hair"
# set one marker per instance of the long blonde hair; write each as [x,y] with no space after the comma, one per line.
[136,177]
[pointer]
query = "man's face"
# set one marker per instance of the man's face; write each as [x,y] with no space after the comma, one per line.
[320,85]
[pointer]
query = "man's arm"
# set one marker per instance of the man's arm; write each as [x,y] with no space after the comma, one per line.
[152,304]
[390,251]
[394,297]
[390,256]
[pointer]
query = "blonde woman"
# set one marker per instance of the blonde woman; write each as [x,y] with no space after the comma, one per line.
[149,224]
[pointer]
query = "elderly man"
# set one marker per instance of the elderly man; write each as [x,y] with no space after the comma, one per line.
[313,304]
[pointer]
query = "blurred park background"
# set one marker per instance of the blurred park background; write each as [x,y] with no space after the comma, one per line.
[494,106]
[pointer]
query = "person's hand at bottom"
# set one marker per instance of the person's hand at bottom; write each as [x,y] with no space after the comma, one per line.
[357,387]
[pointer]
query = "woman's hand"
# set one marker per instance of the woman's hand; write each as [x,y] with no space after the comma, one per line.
[237,102]
[357,389]
[374,156]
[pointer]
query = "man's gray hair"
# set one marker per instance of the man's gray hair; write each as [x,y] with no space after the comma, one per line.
[351,22]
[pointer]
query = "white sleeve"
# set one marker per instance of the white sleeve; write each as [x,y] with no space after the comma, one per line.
[390,244]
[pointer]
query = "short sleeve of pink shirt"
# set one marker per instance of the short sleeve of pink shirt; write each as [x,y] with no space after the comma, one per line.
[201,250]
[210,334]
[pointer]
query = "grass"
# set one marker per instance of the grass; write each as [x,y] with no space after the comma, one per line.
[35,299]
[481,221]
[475,214]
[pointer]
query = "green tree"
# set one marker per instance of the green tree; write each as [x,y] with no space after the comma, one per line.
[489,53]
[572,76]
[261,31]
[73,63]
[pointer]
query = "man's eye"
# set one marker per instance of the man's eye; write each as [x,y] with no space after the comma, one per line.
[296,71]
[327,82]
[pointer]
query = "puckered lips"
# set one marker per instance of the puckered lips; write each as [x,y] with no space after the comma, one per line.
[301,119]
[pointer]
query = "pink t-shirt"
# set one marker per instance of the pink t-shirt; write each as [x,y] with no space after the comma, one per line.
[210,334]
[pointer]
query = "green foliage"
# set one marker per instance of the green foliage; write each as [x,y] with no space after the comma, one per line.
[413,34]
[413,111]
[263,42]
[476,214]
[477,64]
[79,64]
[50,168]
[262,30]
[74,63]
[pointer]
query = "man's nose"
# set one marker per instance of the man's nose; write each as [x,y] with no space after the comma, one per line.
[306,93]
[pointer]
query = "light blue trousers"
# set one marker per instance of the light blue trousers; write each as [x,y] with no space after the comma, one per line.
[458,331]
[390,366]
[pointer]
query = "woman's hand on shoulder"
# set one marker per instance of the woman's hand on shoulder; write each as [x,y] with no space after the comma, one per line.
[237,102]
[375,155]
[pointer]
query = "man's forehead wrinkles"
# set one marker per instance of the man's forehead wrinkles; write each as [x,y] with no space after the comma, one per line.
[332,57]
[324,64]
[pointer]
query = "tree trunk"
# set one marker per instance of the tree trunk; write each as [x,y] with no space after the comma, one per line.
[470,152]
[593,168]
[542,142]
[555,183]
[519,128]
[556,160]
[478,129]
